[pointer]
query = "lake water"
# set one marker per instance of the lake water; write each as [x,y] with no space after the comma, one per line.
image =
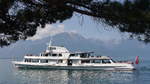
[11,75]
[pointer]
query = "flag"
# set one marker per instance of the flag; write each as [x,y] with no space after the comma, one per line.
[137,60]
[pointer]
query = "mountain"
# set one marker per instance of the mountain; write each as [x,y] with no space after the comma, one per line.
[72,41]
[126,49]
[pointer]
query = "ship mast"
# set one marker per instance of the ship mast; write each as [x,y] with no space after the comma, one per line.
[50,42]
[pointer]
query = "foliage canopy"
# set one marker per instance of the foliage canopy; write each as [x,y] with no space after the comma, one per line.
[19,19]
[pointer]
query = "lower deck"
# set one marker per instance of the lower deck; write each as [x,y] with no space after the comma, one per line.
[115,66]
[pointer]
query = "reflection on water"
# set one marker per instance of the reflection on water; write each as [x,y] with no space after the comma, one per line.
[11,75]
[41,77]
[73,77]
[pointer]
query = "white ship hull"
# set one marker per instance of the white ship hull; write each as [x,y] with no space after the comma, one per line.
[74,67]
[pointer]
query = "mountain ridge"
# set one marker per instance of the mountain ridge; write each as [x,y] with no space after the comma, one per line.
[75,42]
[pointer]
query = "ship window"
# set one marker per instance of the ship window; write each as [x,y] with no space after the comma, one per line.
[44,61]
[52,48]
[71,55]
[46,54]
[85,61]
[35,60]
[54,54]
[27,60]
[60,54]
[84,55]
[97,61]
[60,61]
[113,61]
[106,61]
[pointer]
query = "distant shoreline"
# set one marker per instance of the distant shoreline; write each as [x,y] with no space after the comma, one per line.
[9,58]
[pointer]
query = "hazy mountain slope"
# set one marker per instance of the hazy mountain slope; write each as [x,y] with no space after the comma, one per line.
[127,49]
[72,41]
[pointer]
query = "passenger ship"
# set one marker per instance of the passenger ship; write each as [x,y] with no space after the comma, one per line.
[58,57]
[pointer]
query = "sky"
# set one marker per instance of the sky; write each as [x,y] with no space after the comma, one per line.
[89,28]
[82,25]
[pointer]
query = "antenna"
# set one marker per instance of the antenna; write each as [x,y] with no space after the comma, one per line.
[50,42]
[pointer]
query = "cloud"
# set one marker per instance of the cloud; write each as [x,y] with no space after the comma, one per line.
[49,30]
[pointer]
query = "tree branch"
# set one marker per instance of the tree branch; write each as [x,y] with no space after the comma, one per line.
[78,4]
[82,11]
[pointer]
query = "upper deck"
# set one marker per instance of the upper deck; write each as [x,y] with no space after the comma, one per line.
[66,57]
[56,49]
[59,52]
